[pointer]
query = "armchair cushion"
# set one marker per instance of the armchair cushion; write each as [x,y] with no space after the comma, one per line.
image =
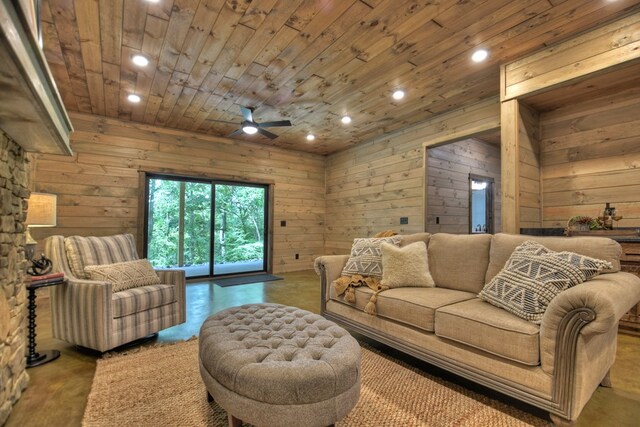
[124,275]
[83,251]
[140,299]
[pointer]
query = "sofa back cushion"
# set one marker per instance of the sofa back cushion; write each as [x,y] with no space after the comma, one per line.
[407,239]
[503,245]
[83,251]
[459,261]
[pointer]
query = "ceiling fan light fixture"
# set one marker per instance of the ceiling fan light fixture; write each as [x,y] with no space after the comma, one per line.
[346,119]
[480,55]
[249,129]
[311,137]
[398,94]
[134,98]
[140,60]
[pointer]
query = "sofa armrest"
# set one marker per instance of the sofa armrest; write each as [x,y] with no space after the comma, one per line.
[177,278]
[329,268]
[597,304]
[81,312]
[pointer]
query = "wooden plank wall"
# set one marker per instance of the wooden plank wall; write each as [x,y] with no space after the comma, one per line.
[448,169]
[590,156]
[98,187]
[529,167]
[601,50]
[370,186]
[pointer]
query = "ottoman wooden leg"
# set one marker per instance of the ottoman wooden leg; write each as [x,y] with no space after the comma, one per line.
[209,397]
[233,421]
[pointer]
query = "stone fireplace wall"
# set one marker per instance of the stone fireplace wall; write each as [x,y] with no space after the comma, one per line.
[14,189]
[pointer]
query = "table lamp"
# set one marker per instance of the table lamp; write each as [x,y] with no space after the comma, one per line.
[41,213]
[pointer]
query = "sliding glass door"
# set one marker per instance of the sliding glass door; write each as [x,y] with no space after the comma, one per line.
[239,229]
[206,227]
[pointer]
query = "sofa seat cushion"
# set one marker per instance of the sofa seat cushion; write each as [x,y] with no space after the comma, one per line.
[412,305]
[489,328]
[143,298]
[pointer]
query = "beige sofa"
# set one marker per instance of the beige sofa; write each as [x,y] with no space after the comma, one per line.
[556,365]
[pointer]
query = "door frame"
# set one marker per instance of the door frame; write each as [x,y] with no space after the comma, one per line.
[143,196]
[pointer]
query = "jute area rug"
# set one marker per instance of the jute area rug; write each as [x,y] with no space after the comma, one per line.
[161,386]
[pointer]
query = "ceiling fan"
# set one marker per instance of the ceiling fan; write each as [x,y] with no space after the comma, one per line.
[250,127]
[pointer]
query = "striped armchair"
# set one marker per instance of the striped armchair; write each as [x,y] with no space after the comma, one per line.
[87,313]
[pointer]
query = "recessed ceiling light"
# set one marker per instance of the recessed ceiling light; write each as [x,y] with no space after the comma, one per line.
[249,129]
[133,98]
[346,120]
[152,1]
[311,137]
[140,60]
[398,94]
[480,55]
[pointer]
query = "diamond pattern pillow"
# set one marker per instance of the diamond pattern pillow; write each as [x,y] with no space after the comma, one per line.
[534,275]
[366,256]
[124,275]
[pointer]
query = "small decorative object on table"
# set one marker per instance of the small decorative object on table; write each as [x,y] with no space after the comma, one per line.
[40,267]
[33,283]
[609,215]
[582,223]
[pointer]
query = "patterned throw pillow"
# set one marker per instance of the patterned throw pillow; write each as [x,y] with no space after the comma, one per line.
[124,275]
[366,256]
[406,266]
[534,275]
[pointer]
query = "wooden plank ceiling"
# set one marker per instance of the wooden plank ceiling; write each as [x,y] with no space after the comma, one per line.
[308,61]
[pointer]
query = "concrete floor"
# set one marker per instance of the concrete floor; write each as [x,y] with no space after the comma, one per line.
[57,391]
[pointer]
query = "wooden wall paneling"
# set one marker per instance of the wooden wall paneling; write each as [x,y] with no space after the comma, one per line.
[99,188]
[448,183]
[510,160]
[596,51]
[590,156]
[530,191]
[360,202]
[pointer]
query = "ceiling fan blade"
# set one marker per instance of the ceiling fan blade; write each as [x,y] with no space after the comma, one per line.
[236,132]
[273,124]
[267,133]
[247,113]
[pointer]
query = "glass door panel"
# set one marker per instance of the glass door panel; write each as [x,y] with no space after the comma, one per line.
[239,233]
[179,225]
[196,245]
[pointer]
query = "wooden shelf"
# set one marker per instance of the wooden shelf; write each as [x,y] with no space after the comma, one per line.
[31,111]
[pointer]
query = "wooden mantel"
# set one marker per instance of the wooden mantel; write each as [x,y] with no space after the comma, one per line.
[31,110]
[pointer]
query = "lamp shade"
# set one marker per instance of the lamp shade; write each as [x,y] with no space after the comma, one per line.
[42,210]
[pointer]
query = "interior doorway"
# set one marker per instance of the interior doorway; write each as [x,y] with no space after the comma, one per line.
[454,204]
[481,204]
[206,227]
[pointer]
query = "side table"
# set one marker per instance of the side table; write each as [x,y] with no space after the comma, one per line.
[34,358]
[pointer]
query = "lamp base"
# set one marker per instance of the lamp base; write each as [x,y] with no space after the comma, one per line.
[29,250]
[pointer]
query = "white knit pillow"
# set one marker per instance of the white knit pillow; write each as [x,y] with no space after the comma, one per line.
[124,275]
[405,266]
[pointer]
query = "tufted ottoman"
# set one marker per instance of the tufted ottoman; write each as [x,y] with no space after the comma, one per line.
[273,365]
